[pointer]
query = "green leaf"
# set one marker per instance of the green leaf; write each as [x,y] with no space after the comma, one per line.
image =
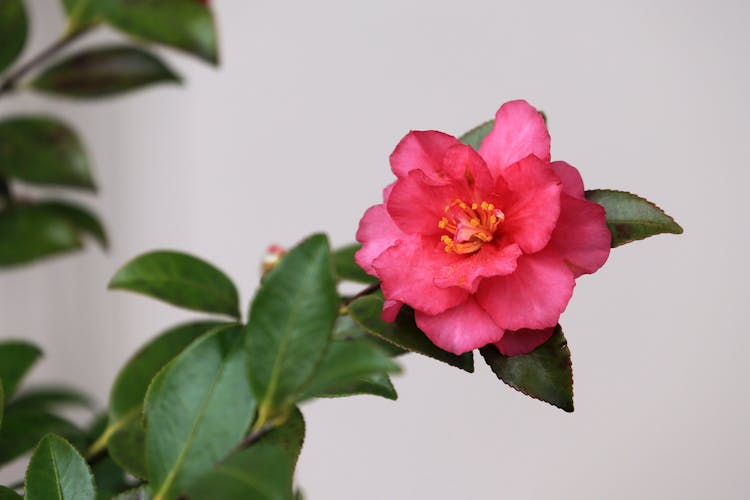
[365,311]
[347,269]
[104,71]
[187,25]
[48,398]
[16,359]
[21,431]
[291,322]
[127,445]
[181,280]
[289,436]
[32,232]
[43,150]
[57,470]
[475,136]
[347,329]
[630,217]
[2,402]
[142,492]
[377,384]
[546,373]
[82,220]
[197,409]
[109,478]
[260,472]
[346,364]
[13,31]
[81,13]
[8,494]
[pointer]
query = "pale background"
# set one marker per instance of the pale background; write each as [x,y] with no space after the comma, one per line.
[292,134]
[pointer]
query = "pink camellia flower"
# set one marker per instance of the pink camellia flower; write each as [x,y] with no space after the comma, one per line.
[484,246]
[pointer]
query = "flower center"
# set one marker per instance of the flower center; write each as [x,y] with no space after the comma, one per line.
[469,226]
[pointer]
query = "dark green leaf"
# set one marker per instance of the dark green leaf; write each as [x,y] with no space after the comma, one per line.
[290,436]
[377,384]
[142,492]
[22,431]
[81,12]
[13,30]
[260,472]
[546,373]
[403,332]
[127,445]
[8,494]
[32,232]
[346,364]
[347,268]
[16,359]
[197,409]
[43,150]
[104,71]
[48,398]
[79,217]
[181,280]
[347,329]
[630,217]
[57,471]
[109,478]
[2,402]
[291,322]
[475,136]
[183,24]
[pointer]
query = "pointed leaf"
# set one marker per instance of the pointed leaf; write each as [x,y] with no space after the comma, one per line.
[126,445]
[21,431]
[630,217]
[183,24]
[179,279]
[43,150]
[260,472]
[347,269]
[197,409]
[82,219]
[48,398]
[57,471]
[13,31]
[8,494]
[290,436]
[104,71]
[365,311]
[291,322]
[32,232]
[475,136]
[376,384]
[16,359]
[546,373]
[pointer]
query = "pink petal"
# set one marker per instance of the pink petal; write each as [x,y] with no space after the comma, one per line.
[390,310]
[533,296]
[416,206]
[465,166]
[376,232]
[422,150]
[467,270]
[407,271]
[571,179]
[524,341]
[461,329]
[581,236]
[519,131]
[534,205]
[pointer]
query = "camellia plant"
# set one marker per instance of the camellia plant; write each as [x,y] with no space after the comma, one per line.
[476,245]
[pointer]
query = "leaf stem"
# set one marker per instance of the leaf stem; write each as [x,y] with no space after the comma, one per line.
[366,291]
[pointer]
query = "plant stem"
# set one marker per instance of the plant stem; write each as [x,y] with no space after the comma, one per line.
[367,291]
[11,81]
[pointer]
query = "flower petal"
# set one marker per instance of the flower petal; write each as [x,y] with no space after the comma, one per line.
[581,235]
[466,271]
[519,131]
[533,296]
[407,271]
[416,206]
[376,232]
[534,205]
[571,179]
[466,167]
[523,341]
[461,329]
[391,309]
[422,150]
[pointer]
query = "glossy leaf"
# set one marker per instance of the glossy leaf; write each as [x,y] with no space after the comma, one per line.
[630,217]
[21,431]
[32,232]
[104,71]
[260,472]
[16,359]
[8,494]
[181,280]
[43,150]
[377,384]
[57,471]
[13,31]
[48,398]
[291,322]
[127,445]
[82,219]
[347,269]
[403,332]
[546,373]
[187,25]
[347,363]
[196,411]
[475,136]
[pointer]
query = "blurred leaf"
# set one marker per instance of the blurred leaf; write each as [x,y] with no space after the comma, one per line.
[81,12]
[8,494]
[290,436]
[347,329]
[21,431]
[365,311]
[79,217]
[475,136]
[347,268]
[43,150]
[630,217]
[109,478]
[48,398]
[197,409]
[127,445]
[347,362]
[32,232]
[2,402]
[104,71]
[546,373]
[57,470]
[291,323]
[13,31]
[260,472]
[142,492]
[16,359]
[183,24]
[181,280]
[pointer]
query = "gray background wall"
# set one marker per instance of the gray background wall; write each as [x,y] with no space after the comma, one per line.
[292,135]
